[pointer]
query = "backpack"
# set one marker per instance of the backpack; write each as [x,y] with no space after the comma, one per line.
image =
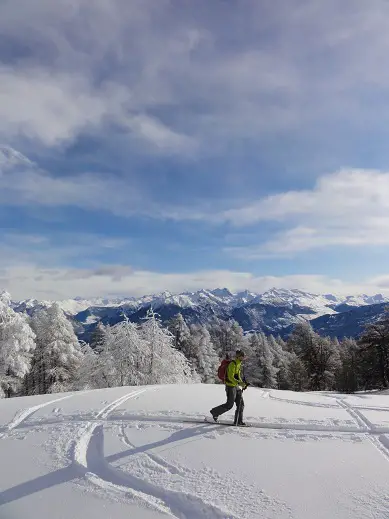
[222,370]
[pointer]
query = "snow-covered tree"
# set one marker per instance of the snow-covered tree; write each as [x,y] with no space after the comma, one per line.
[227,336]
[97,337]
[202,353]
[348,373]
[327,364]
[280,341]
[374,353]
[319,355]
[165,365]
[281,361]
[125,356]
[298,376]
[57,355]
[90,372]
[180,331]
[17,343]
[260,369]
[130,354]
[301,338]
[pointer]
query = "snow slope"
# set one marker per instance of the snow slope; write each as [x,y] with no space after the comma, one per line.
[145,453]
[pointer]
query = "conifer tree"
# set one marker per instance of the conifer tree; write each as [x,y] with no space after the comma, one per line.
[180,331]
[374,353]
[203,356]
[57,355]
[17,344]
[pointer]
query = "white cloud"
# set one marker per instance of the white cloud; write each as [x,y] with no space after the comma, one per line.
[24,184]
[27,185]
[319,63]
[347,208]
[53,107]
[381,281]
[160,135]
[60,249]
[28,280]
[34,266]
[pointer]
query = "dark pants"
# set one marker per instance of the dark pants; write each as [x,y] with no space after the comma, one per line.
[234,396]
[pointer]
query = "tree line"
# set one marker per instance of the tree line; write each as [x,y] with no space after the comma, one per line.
[41,354]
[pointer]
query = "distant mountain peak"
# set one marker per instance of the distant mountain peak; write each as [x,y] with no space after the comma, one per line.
[222,292]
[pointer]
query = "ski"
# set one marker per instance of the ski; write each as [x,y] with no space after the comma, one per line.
[212,421]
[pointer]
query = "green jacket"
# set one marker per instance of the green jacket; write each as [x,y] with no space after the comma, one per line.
[233,377]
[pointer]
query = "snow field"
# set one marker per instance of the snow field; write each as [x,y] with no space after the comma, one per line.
[145,452]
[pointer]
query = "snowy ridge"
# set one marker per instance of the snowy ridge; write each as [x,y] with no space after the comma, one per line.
[69,306]
[319,304]
[275,311]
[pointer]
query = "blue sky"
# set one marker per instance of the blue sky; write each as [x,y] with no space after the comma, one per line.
[171,145]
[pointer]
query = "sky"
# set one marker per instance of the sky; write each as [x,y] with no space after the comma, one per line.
[185,144]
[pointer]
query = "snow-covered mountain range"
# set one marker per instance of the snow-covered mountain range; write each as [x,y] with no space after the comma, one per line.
[318,304]
[274,311]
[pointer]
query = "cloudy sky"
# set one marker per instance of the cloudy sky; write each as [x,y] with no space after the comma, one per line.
[182,144]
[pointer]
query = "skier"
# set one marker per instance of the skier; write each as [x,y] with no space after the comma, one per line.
[234,386]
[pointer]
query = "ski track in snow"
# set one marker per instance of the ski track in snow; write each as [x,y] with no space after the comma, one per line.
[283,424]
[178,504]
[265,393]
[371,408]
[160,462]
[26,413]
[301,402]
[373,434]
[82,442]
[358,417]
[184,493]
[89,454]
[205,482]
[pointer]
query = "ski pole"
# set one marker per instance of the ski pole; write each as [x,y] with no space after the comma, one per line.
[239,408]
